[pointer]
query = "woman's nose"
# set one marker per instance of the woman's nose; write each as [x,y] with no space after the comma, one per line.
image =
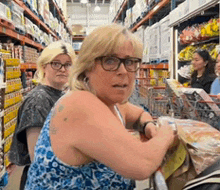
[122,68]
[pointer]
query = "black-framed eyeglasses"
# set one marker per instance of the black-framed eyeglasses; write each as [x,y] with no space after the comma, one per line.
[56,65]
[112,63]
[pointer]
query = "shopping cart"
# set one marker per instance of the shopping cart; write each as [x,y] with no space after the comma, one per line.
[162,101]
[137,98]
[152,98]
[192,106]
[208,111]
[157,102]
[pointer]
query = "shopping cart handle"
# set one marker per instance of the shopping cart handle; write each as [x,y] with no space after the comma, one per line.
[213,96]
[160,181]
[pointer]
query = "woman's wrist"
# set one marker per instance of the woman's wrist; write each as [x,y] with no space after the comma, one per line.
[144,126]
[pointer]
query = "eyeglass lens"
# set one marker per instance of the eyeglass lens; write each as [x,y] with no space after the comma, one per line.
[113,63]
[57,65]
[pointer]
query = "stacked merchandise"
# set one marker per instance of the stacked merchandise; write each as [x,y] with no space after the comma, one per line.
[186,54]
[27,83]
[139,7]
[129,17]
[44,11]
[165,35]
[197,33]
[12,102]
[146,45]
[32,4]
[3,54]
[155,43]
[59,3]
[189,7]
[18,17]
[113,8]
[158,76]
[18,52]
[30,54]
[5,12]
[200,32]
[11,11]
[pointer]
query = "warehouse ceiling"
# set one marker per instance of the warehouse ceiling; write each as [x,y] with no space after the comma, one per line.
[91,1]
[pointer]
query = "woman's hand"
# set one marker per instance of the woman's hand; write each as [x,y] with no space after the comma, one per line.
[218,96]
[170,133]
[150,130]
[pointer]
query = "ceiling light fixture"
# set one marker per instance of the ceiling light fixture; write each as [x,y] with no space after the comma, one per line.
[97,8]
[84,1]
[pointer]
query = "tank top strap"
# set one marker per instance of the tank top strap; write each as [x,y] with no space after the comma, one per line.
[119,115]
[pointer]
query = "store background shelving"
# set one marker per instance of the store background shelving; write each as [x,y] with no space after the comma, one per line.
[29,12]
[145,20]
[77,42]
[204,36]
[159,24]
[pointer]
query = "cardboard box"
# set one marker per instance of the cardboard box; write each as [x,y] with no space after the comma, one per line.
[78,29]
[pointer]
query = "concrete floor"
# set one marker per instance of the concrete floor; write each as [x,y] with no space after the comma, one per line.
[16,171]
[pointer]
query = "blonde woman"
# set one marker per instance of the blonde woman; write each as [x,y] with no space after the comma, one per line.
[53,68]
[84,143]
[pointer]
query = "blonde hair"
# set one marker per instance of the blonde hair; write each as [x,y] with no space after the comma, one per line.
[103,41]
[49,53]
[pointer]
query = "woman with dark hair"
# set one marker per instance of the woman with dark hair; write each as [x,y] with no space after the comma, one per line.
[204,70]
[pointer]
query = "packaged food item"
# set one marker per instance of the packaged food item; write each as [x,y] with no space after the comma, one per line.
[201,141]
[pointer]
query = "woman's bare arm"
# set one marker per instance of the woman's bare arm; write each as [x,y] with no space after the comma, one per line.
[93,129]
[32,136]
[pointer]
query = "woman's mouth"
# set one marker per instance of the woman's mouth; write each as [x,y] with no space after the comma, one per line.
[120,85]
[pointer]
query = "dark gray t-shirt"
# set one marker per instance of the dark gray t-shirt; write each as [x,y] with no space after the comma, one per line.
[32,113]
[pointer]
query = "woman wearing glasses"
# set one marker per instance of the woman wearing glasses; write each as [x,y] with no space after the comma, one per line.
[204,72]
[53,70]
[84,143]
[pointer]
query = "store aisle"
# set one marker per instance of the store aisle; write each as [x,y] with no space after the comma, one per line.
[14,178]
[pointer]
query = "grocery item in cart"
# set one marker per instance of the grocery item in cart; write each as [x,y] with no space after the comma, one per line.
[201,140]
[207,109]
[179,103]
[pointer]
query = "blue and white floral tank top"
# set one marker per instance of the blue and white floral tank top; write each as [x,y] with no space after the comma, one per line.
[47,172]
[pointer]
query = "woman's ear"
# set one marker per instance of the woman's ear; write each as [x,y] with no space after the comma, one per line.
[87,74]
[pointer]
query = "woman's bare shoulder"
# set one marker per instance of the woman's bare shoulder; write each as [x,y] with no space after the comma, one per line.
[78,101]
[79,97]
